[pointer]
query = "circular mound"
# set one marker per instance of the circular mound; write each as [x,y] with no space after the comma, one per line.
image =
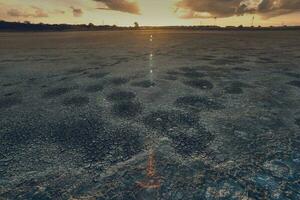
[55,92]
[240,69]
[123,143]
[65,78]
[291,74]
[119,81]
[32,81]
[76,101]
[294,83]
[9,94]
[240,84]
[173,73]
[170,77]
[193,74]
[9,102]
[233,90]
[98,75]
[201,84]
[76,71]
[297,121]
[8,84]
[187,69]
[198,102]
[121,96]
[94,88]
[187,134]
[79,132]
[82,134]
[127,109]
[190,144]
[98,141]
[167,120]
[17,134]
[144,84]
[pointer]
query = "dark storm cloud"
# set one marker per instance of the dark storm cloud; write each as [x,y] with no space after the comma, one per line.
[228,8]
[272,8]
[120,5]
[37,12]
[77,12]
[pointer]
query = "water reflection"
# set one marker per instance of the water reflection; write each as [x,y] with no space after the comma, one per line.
[151,61]
[151,183]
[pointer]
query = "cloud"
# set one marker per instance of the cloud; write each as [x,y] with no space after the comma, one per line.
[58,11]
[120,5]
[228,8]
[37,12]
[273,8]
[77,12]
[208,8]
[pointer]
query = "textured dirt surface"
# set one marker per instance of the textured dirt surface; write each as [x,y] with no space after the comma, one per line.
[81,112]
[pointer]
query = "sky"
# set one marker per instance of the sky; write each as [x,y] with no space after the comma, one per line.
[154,12]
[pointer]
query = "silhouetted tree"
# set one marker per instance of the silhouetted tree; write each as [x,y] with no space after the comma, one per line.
[136,25]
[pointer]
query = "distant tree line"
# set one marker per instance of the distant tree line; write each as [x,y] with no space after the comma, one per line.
[27,26]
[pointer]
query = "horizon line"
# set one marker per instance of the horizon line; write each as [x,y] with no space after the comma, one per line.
[148,26]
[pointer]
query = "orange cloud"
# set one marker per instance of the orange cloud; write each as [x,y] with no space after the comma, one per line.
[77,12]
[229,8]
[37,12]
[120,5]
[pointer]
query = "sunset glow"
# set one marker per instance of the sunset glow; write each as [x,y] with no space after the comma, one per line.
[154,12]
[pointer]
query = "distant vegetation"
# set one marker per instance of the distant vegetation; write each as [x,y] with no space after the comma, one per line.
[27,26]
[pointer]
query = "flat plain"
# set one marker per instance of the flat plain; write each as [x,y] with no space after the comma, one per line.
[216,114]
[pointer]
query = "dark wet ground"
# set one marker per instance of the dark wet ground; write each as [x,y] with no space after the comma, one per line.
[81,112]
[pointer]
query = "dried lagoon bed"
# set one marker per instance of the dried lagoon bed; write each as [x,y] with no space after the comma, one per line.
[80,111]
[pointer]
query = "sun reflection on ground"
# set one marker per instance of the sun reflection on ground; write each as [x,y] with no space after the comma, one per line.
[151,61]
[152,181]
